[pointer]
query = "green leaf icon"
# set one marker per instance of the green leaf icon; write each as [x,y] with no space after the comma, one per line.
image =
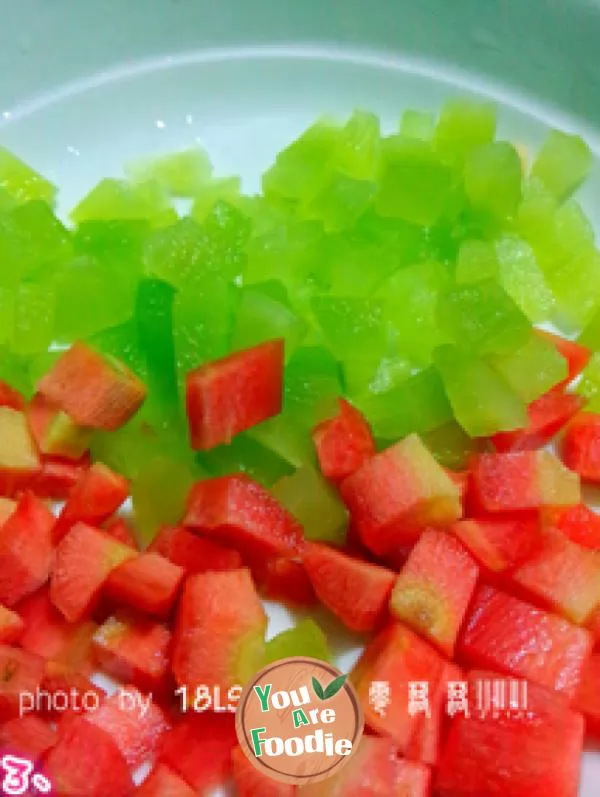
[335,686]
[318,689]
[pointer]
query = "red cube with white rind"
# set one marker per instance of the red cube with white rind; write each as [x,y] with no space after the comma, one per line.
[239,511]
[498,544]
[227,396]
[530,753]
[22,674]
[580,446]
[194,553]
[134,650]
[398,493]
[434,588]
[98,494]
[392,660]
[356,591]
[25,549]
[511,636]
[220,630]
[343,443]
[564,576]
[27,736]
[579,523]
[93,390]
[522,481]
[84,559]
[149,583]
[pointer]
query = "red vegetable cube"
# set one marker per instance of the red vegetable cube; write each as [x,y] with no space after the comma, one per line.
[284,580]
[120,530]
[134,649]
[588,696]
[9,397]
[527,480]
[11,626]
[149,582]
[374,769]
[98,494]
[60,680]
[193,552]
[579,523]
[434,588]
[398,493]
[54,432]
[86,762]
[242,512]
[498,545]
[227,396]
[564,576]
[219,636]
[29,737]
[134,721]
[25,549]
[84,558]
[581,446]
[343,443]
[250,782]
[164,782]
[576,355]
[21,674]
[58,477]
[354,590]
[95,391]
[48,634]
[19,459]
[514,637]
[534,753]
[395,657]
[199,749]
[547,416]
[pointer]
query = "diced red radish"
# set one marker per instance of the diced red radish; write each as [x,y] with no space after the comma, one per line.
[134,721]
[86,762]
[398,493]
[563,576]
[511,636]
[93,390]
[239,511]
[526,480]
[9,397]
[579,523]
[227,396]
[48,634]
[11,626]
[394,658]
[193,552]
[374,769]
[547,416]
[25,549]
[164,782]
[498,545]
[29,737]
[149,583]
[355,591]
[576,355]
[343,443]
[98,494]
[580,448]
[21,674]
[434,588]
[588,696]
[19,459]
[58,477]
[54,432]
[533,753]
[282,579]
[84,558]
[250,782]
[119,529]
[199,749]
[134,650]
[219,636]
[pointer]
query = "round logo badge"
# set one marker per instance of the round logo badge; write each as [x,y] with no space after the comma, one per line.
[299,720]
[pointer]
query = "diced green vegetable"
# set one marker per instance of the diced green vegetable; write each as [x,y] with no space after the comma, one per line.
[304,639]
[532,369]
[562,163]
